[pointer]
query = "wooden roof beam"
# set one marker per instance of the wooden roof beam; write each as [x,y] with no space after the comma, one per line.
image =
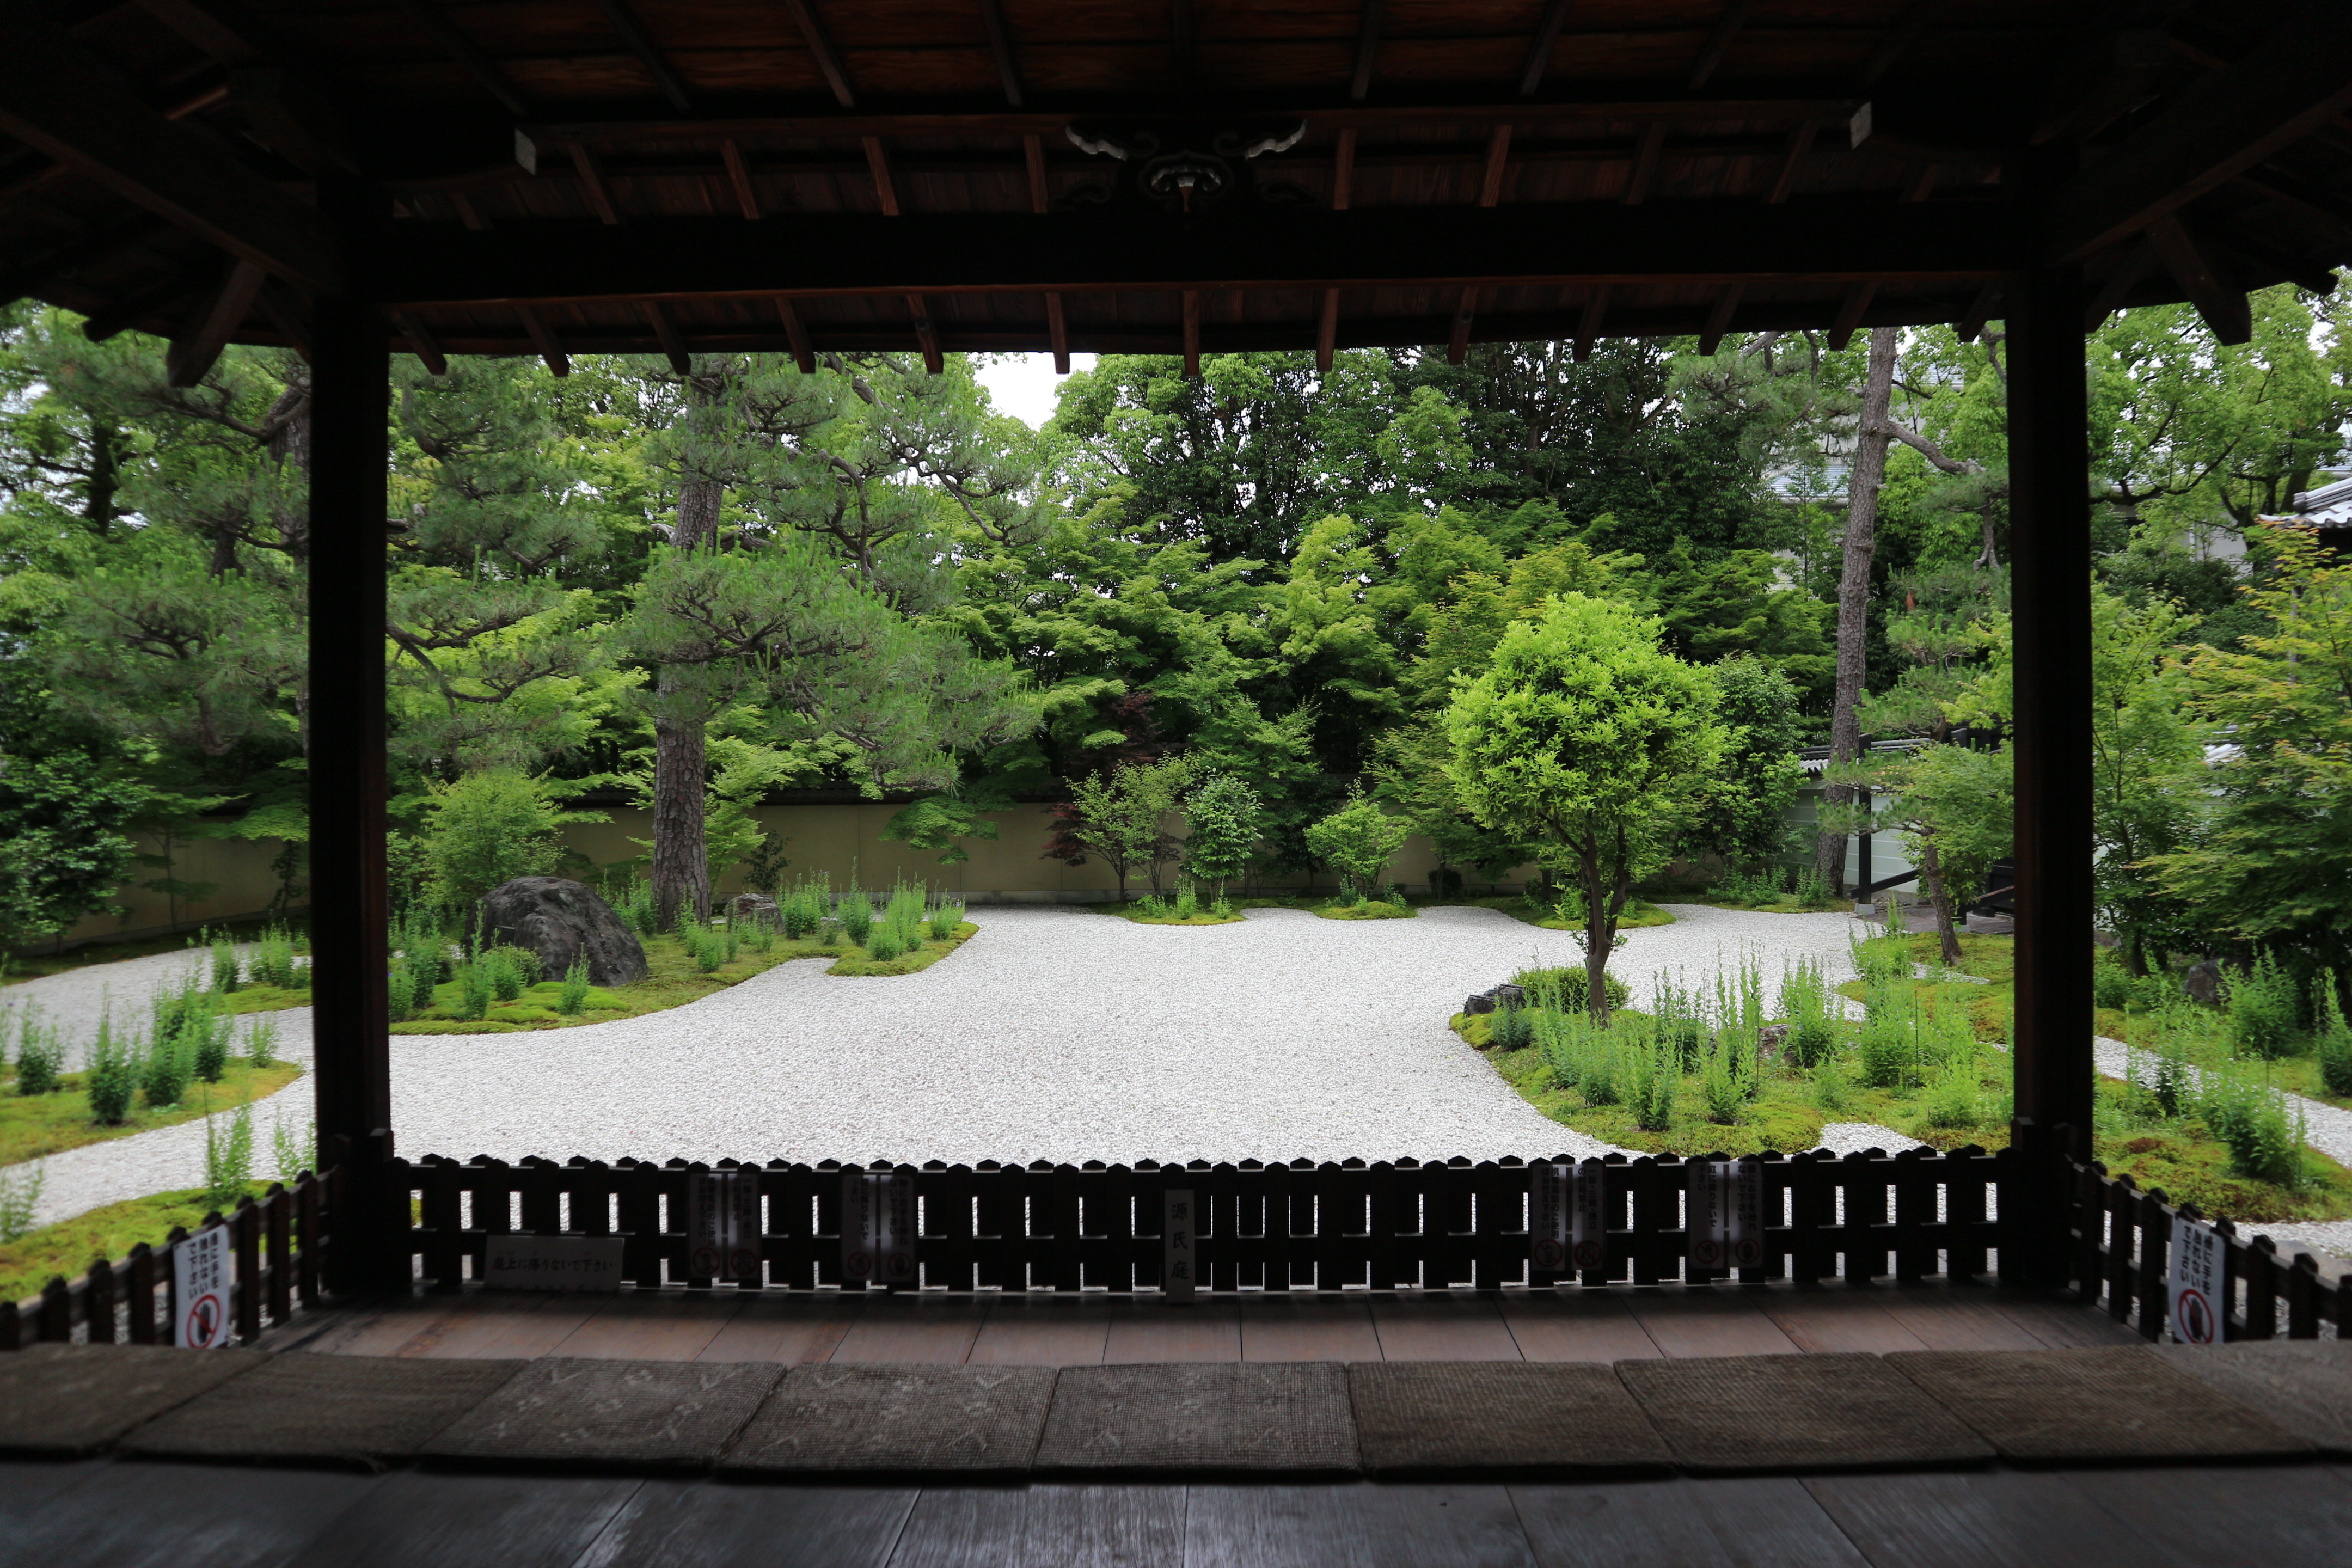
[2201,276]
[194,352]
[1508,245]
[1587,325]
[1540,48]
[739,176]
[650,54]
[1718,317]
[1906,27]
[1718,42]
[592,181]
[927,336]
[877,164]
[1000,46]
[2219,126]
[422,343]
[1465,311]
[1191,334]
[666,332]
[60,100]
[797,334]
[1057,334]
[470,55]
[828,64]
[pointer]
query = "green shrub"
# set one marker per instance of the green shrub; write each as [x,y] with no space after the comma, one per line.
[1728,1078]
[509,970]
[1888,1052]
[734,940]
[2264,1009]
[707,948]
[1955,1096]
[575,989]
[1567,988]
[228,1157]
[1805,1003]
[489,828]
[2110,985]
[1654,1077]
[883,945]
[1879,960]
[763,939]
[1188,901]
[400,991]
[20,1199]
[295,1152]
[164,1076]
[1832,1092]
[1682,1020]
[112,1076]
[425,951]
[475,991]
[2148,994]
[40,1053]
[1811,889]
[1358,840]
[1512,1028]
[2250,1120]
[855,912]
[2333,1038]
[945,918]
[273,961]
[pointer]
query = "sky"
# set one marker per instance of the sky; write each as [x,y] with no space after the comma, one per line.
[1023,385]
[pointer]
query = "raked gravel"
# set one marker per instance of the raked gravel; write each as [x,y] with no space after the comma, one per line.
[1054,1033]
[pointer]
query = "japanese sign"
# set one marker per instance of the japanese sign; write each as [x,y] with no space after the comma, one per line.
[1723,1212]
[552,1263]
[722,1225]
[878,1227]
[202,1269]
[1591,1236]
[1178,1273]
[1552,1207]
[2197,1286]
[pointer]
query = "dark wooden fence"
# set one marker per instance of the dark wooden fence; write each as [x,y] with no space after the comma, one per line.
[1301,1227]
[278,1243]
[2123,1237]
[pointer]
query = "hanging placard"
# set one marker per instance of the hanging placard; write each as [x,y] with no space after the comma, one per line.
[878,1227]
[202,1270]
[1550,1205]
[2196,1283]
[1592,1234]
[1704,1219]
[722,1225]
[1178,1274]
[1745,1211]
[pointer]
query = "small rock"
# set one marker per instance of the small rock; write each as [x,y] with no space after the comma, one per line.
[1509,995]
[2204,983]
[1770,1039]
[748,907]
[563,921]
[1480,1001]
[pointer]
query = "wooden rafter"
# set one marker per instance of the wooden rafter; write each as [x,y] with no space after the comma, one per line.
[1033,154]
[1368,49]
[1801,142]
[543,338]
[650,54]
[2133,266]
[797,334]
[1971,324]
[1499,157]
[1191,334]
[468,54]
[666,332]
[1057,334]
[1327,330]
[1857,299]
[1587,325]
[192,352]
[739,176]
[1645,163]
[2217,128]
[592,182]
[1465,311]
[286,312]
[1539,48]
[1718,42]
[877,164]
[1900,38]
[927,336]
[1000,45]
[59,98]
[828,63]
[2219,300]
[422,342]
[1718,318]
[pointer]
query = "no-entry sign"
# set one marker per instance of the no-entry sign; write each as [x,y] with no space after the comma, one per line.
[201,1277]
[2198,1306]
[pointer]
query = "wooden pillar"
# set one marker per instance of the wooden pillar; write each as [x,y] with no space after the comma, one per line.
[350,358]
[2049,546]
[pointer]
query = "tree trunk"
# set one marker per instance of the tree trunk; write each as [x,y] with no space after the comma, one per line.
[1868,473]
[681,855]
[1931,874]
[1605,903]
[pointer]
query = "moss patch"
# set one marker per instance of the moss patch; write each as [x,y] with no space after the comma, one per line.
[69,1246]
[33,967]
[856,961]
[1638,913]
[1370,909]
[39,1124]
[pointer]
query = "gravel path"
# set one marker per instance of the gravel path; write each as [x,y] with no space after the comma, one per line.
[1057,1034]
[74,1000]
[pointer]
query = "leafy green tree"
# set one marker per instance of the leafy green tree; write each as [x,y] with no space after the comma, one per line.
[63,851]
[1223,817]
[1582,738]
[1120,816]
[1360,839]
[1741,811]
[2266,856]
[488,827]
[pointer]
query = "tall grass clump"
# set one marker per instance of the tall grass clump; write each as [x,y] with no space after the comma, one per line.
[2249,1117]
[855,910]
[40,1053]
[2332,1039]
[575,995]
[1727,1077]
[227,970]
[228,1156]
[1681,1021]
[294,1153]
[801,911]
[20,1199]
[2262,1009]
[261,1041]
[273,961]
[1653,1075]
[1805,1003]
[945,918]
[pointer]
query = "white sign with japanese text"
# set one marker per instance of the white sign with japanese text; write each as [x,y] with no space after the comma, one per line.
[1179,1274]
[2196,1283]
[1722,1208]
[878,1227]
[202,1272]
[552,1263]
[1551,1209]
[722,1226]
[1592,1234]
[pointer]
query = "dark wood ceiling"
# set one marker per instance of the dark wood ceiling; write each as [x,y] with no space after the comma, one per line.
[554,176]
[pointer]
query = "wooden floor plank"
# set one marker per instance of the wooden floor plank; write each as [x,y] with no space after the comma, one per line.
[2287,1516]
[423,1519]
[184,1516]
[1044,1331]
[1972,1520]
[713,1524]
[384,1329]
[1550,1325]
[1144,1331]
[792,1330]
[1833,1319]
[1955,1317]
[1031,1527]
[1772,1523]
[502,1327]
[912,1328]
[1708,1322]
[1353,1526]
[651,1325]
[1308,1328]
[1443,1327]
[2059,1324]
[25,1485]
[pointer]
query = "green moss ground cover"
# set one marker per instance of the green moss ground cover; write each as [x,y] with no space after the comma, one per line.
[68,1247]
[33,967]
[32,1125]
[674,979]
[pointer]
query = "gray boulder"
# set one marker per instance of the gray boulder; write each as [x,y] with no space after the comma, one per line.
[2204,983]
[750,906]
[563,921]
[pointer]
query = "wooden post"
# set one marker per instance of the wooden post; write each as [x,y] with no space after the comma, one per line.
[2048,460]
[349,393]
